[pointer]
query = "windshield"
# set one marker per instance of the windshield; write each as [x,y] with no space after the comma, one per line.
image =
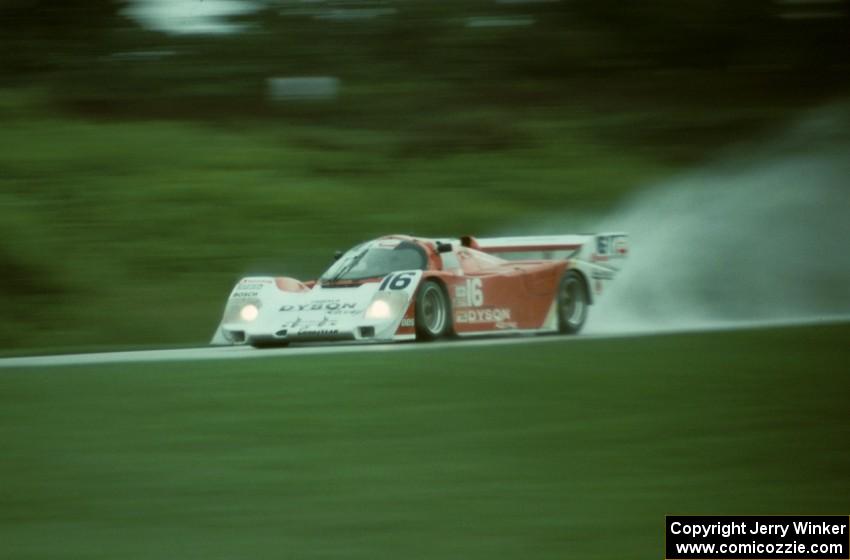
[376,258]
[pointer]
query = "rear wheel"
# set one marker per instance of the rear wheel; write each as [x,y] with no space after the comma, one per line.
[433,313]
[572,303]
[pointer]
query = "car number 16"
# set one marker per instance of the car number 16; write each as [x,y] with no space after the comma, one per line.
[397,281]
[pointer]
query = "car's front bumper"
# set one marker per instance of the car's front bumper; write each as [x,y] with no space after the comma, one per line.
[235,334]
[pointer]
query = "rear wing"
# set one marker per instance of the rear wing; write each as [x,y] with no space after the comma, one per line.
[606,249]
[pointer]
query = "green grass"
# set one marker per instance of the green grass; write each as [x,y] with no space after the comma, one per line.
[128,233]
[121,233]
[553,450]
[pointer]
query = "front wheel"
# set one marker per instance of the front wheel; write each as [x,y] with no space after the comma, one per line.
[433,314]
[572,303]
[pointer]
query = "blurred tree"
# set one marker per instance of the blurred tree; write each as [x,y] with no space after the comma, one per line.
[42,35]
[91,54]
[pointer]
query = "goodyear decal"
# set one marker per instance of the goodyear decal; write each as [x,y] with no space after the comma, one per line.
[318,332]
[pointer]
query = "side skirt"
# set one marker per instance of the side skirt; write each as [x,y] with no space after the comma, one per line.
[506,332]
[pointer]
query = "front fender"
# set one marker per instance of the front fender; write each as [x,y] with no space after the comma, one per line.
[262,291]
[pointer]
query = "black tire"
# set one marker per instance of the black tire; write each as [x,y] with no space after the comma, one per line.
[573,303]
[433,311]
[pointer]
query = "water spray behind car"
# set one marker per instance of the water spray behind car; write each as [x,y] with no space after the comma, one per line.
[760,236]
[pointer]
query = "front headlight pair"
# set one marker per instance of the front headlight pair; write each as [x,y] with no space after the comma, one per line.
[385,305]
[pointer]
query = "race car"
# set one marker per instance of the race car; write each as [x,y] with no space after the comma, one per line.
[400,287]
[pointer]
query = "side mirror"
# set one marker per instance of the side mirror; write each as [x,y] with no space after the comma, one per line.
[444,247]
[337,255]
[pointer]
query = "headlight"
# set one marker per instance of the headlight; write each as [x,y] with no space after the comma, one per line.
[249,312]
[379,309]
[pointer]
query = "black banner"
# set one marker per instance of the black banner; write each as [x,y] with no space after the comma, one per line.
[745,537]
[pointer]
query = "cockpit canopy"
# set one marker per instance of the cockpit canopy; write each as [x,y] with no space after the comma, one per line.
[376,258]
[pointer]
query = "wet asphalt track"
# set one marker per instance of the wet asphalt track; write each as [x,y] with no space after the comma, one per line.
[244,352]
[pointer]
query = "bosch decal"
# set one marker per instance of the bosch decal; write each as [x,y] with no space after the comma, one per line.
[245,294]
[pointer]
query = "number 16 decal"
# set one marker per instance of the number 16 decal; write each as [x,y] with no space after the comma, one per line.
[470,294]
[474,293]
[398,281]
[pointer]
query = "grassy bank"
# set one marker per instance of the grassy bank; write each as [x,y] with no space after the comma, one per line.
[132,233]
[553,450]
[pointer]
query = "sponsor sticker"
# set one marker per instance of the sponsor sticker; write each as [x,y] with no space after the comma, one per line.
[259,281]
[320,306]
[318,332]
[488,315]
[245,294]
[602,243]
[621,246]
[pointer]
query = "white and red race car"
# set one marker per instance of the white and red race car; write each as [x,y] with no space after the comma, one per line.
[403,288]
